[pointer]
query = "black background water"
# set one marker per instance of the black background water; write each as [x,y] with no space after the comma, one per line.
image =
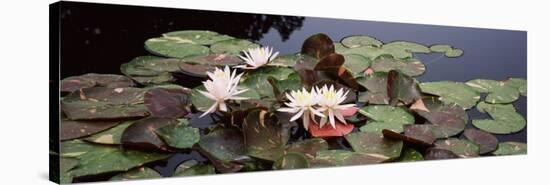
[99,38]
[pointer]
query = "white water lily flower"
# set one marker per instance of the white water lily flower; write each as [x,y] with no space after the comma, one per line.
[302,104]
[257,57]
[222,86]
[330,101]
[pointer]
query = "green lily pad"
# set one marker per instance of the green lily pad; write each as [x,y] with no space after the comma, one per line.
[505,119]
[193,168]
[138,173]
[223,144]
[453,53]
[199,101]
[448,120]
[202,37]
[179,135]
[498,91]
[111,136]
[385,117]
[214,60]
[360,40]
[258,79]
[76,129]
[402,89]
[356,64]
[174,47]
[374,143]
[452,93]
[263,135]
[293,82]
[410,155]
[308,147]
[519,83]
[139,70]
[288,60]
[326,158]
[141,135]
[441,48]
[105,103]
[438,154]
[369,52]
[404,49]
[486,141]
[409,67]
[511,148]
[291,161]
[98,159]
[74,83]
[232,47]
[168,103]
[376,84]
[318,46]
[65,165]
[462,148]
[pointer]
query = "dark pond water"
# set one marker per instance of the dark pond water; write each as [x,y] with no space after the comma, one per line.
[99,38]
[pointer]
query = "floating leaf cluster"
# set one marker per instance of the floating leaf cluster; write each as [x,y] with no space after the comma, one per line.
[119,127]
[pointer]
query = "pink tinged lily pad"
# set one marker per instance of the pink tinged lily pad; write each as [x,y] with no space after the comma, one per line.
[329,131]
[349,111]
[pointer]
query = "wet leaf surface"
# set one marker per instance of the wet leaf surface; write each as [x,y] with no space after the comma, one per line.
[511,148]
[327,158]
[374,143]
[97,159]
[498,91]
[291,161]
[413,140]
[111,136]
[202,37]
[224,144]
[452,93]
[76,129]
[462,148]
[385,117]
[448,120]
[142,136]
[74,83]
[168,103]
[328,131]
[376,84]
[409,67]
[174,47]
[105,103]
[257,80]
[308,147]
[179,135]
[263,135]
[402,88]
[410,155]
[360,40]
[193,168]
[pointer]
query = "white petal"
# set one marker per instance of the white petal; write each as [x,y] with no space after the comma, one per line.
[210,110]
[297,115]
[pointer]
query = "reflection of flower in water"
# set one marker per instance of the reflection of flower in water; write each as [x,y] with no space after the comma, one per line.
[257,57]
[222,86]
[330,100]
[301,103]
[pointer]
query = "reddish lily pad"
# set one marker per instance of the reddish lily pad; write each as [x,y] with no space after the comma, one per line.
[374,143]
[76,129]
[263,135]
[142,136]
[221,147]
[168,103]
[318,46]
[74,83]
[438,154]
[333,64]
[376,84]
[486,141]
[409,139]
[402,88]
[328,131]
[449,120]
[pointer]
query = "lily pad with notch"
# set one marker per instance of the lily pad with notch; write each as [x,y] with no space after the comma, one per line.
[505,119]
[511,148]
